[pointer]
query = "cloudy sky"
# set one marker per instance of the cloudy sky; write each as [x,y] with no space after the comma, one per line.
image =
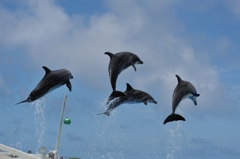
[199,41]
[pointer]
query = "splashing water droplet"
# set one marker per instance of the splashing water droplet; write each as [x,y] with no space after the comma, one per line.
[39,118]
[175,135]
[102,129]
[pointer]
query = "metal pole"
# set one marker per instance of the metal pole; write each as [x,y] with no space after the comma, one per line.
[60,128]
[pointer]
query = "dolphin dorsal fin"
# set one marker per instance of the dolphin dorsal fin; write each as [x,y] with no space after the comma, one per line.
[109,54]
[178,78]
[47,70]
[129,87]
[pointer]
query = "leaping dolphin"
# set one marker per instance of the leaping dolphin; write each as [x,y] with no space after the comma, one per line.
[184,89]
[119,62]
[132,96]
[51,81]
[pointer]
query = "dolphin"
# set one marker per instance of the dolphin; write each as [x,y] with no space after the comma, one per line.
[119,62]
[183,90]
[51,81]
[132,96]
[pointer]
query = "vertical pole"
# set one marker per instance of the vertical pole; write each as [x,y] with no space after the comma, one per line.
[60,128]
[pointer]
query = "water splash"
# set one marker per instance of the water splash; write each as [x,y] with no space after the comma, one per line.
[173,140]
[39,118]
[20,132]
[21,137]
[107,124]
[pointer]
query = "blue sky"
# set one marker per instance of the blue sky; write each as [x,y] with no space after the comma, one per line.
[199,41]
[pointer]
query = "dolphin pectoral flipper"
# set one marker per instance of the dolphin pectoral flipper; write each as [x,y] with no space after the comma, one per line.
[145,102]
[69,85]
[195,101]
[173,117]
[135,69]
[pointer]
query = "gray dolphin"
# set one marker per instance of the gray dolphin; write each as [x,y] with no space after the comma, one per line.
[51,81]
[119,62]
[132,96]
[184,89]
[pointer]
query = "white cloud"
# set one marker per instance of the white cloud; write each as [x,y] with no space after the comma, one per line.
[43,34]
[51,37]
[234,7]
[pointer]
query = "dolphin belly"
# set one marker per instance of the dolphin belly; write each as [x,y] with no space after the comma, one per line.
[53,88]
[187,96]
[190,96]
[134,101]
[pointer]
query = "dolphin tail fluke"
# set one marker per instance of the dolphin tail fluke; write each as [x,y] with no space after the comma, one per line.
[173,117]
[115,94]
[22,102]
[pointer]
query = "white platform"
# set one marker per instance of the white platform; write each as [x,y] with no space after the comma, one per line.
[7,152]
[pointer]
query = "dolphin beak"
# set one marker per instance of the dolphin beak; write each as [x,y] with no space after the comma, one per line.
[140,62]
[152,101]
